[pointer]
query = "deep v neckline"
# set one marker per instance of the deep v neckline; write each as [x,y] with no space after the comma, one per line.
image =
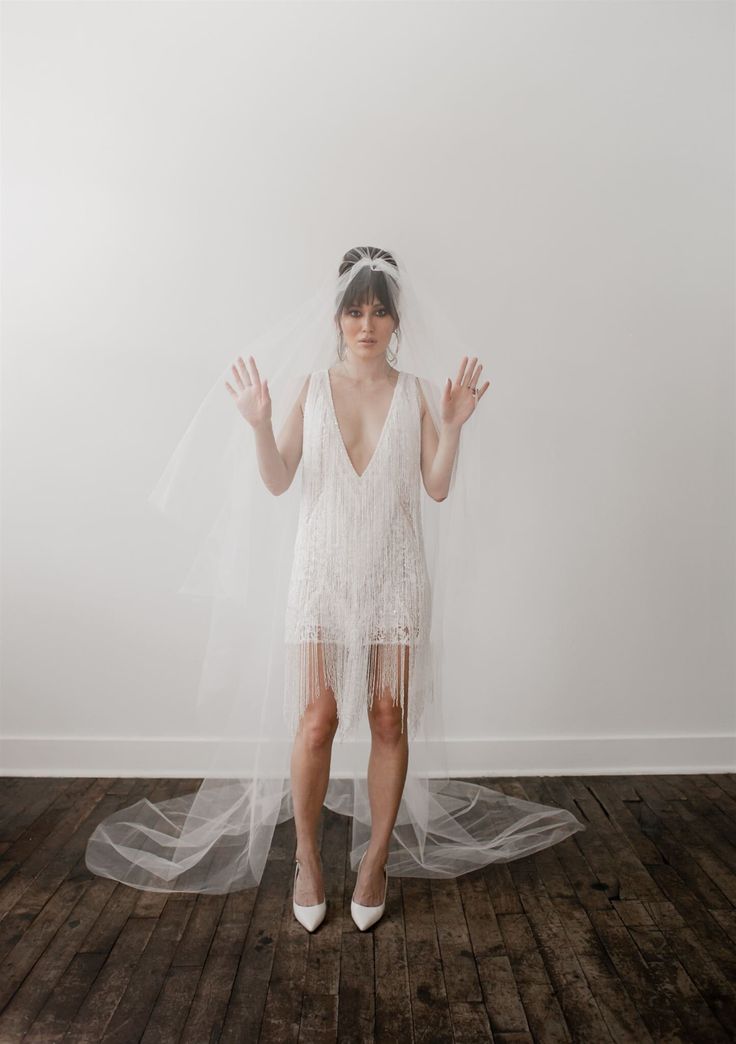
[333,411]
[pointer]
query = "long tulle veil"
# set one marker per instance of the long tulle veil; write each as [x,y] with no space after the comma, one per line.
[216,839]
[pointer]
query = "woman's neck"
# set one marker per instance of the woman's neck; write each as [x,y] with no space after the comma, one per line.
[364,370]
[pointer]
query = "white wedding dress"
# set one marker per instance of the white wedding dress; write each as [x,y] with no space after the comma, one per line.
[352,575]
[359,600]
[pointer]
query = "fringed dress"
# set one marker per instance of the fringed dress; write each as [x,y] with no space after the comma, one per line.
[359,602]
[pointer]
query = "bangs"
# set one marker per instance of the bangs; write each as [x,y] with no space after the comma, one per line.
[367,285]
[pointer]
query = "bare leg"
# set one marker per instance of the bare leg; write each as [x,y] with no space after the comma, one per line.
[310,775]
[387,767]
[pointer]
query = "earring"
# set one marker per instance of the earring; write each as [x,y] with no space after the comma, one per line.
[392,356]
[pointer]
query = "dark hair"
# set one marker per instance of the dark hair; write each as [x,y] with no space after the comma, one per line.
[367,283]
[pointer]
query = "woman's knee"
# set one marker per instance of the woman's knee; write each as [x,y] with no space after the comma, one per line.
[319,723]
[385,720]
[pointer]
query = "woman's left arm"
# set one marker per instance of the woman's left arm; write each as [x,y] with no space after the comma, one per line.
[440,449]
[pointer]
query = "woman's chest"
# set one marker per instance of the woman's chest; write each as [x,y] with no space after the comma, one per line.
[345,441]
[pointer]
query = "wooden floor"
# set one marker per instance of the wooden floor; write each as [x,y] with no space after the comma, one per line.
[623,932]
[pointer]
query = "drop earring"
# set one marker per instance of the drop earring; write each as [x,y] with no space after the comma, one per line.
[392,356]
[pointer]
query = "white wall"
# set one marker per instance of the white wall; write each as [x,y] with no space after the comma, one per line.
[566,168]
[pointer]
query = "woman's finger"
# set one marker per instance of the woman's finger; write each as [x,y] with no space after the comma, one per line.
[469,371]
[244,371]
[257,380]
[461,369]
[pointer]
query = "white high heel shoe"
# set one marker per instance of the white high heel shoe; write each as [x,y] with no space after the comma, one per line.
[365,916]
[309,916]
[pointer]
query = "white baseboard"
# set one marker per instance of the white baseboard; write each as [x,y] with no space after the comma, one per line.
[195,758]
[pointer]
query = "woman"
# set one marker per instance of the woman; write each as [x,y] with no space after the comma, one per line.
[327,606]
[376,569]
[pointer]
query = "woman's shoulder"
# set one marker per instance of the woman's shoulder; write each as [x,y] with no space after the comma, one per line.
[305,387]
[415,382]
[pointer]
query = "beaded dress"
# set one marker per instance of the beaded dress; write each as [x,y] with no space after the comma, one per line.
[358,609]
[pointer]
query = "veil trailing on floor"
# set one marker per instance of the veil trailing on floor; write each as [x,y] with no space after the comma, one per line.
[217,838]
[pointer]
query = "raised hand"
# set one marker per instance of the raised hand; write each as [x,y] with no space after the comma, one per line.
[458,399]
[251,395]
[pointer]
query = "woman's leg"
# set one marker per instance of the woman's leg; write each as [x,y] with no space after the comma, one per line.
[310,775]
[387,766]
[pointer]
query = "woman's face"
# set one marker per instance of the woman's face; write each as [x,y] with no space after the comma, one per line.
[367,329]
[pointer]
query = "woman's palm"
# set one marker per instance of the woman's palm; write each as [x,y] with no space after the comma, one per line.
[458,398]
[250,394]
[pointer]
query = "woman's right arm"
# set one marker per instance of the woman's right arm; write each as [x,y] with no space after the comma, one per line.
[277,463]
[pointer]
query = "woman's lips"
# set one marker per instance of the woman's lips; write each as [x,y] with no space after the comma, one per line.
[367,340]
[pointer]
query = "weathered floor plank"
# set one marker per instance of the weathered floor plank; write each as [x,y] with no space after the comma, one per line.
[624,933]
